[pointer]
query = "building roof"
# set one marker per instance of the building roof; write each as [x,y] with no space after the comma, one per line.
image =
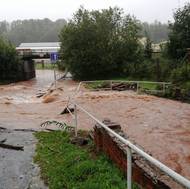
[38,48]
[40,45]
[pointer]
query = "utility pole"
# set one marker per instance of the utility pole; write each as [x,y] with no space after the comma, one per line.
[55,79]
[54,58]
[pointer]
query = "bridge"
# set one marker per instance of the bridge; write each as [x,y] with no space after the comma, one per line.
[38,50]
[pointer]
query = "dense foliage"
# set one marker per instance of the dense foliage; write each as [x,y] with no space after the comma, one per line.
[100,44]
[173,64]
[179,42]
[10,67]
[65,165]
[33,30]
[105,44]
[179,37]
[148,48]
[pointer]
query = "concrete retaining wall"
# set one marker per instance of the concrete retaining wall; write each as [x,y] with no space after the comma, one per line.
[29,69]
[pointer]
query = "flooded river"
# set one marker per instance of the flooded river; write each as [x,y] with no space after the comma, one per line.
[21,108]
[160,126]
[23,92]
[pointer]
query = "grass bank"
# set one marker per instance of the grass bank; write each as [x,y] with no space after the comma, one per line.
[106,84]
[49,66]
[68,166]
[179,91]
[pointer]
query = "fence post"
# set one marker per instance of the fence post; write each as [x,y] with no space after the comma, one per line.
[137,87]
[76,129]
[129,168]
[111,84]
[164,88]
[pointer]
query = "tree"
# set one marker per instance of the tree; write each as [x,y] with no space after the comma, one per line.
[179,37]
[10,67]
[3,27]
[99,44]
[148,47]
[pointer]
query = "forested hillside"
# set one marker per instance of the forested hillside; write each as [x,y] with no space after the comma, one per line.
[20,31]
[45,30]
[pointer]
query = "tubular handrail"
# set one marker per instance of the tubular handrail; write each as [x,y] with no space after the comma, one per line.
[128,81]
[177,177]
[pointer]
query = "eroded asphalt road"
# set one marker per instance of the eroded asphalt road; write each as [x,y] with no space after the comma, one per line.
[160,126]
[17,170]
[20,108]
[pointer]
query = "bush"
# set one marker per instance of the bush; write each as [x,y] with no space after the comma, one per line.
[179,37]
[181,74]
[10,67]
[100,44]
[156,69]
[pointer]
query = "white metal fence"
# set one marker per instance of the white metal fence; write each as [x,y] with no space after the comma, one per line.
[130,147]
[163,85]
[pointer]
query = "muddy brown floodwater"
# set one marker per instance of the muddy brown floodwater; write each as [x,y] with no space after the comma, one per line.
[160,126]
[22,92]
[20,107]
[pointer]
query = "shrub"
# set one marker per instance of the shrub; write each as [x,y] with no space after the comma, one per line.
[181,74]
[10,67]
[179,37]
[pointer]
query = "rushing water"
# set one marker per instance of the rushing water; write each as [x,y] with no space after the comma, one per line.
[24,92]
[160,126]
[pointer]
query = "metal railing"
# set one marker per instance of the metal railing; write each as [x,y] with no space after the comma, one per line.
[131,147]
[138,84]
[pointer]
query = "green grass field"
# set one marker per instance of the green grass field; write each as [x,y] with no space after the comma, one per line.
[149,86]
[105,84]
[67,166]
[48,66]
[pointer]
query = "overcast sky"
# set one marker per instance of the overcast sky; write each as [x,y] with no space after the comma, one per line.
[145,10]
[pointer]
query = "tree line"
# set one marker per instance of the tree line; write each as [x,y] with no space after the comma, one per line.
[33,30]
[45,30]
